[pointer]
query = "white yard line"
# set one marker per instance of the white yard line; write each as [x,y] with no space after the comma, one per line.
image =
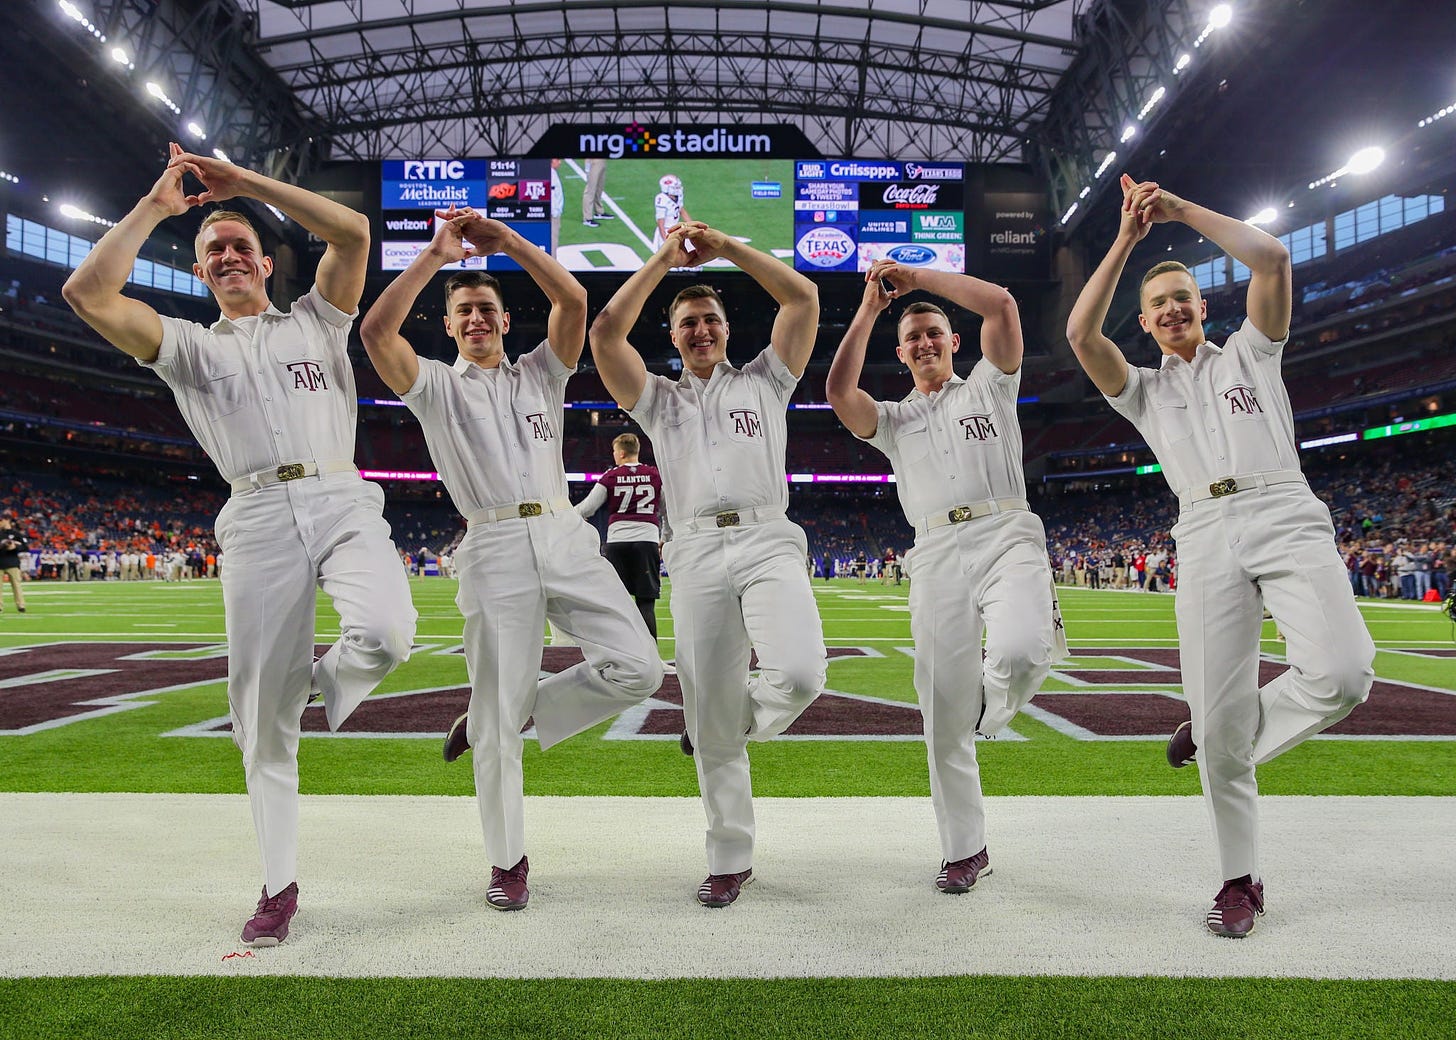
[395,886]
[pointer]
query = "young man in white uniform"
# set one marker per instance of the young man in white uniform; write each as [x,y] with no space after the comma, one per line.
[1250,533]
[270,397]
[737,562]
[493,428]
[980,559]
[668,210]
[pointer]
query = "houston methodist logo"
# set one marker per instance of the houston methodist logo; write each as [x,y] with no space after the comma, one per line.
[1241,400]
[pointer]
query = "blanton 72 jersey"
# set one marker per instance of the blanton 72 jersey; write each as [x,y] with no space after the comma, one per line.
[634,493]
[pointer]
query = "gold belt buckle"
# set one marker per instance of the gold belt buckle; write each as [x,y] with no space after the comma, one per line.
[529,509]
[290,471]
[728,519]
[1220,488]
[960,514]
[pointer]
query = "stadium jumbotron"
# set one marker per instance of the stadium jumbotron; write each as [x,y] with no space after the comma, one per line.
[1203,521]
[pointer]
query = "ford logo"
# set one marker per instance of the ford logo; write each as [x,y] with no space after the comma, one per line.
[911,255]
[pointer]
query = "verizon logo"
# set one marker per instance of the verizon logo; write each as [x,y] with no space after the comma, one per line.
[409,224]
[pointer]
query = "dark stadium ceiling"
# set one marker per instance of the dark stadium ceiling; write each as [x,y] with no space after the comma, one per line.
[1273,100]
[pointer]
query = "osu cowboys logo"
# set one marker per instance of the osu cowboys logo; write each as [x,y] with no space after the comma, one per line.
[745,423]
[978,427]
[308,376]
[1241,400]
[540,426]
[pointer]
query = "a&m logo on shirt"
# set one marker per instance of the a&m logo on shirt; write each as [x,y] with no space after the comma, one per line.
[1241,400]
[977,427]
[308,375]
[540,426]
[745,422]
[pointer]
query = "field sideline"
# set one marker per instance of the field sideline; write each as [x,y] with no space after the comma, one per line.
[1094,731]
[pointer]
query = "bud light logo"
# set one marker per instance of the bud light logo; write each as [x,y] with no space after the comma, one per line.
[912,256]
[825,247]
[434,170]
[808,170]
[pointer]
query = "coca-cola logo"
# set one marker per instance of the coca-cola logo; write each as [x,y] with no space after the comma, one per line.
[900,195]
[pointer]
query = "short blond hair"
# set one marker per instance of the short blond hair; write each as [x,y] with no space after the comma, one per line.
[217,216]
[627,444]
[1163,268]
[695,292]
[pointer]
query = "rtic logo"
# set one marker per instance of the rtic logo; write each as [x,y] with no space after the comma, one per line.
[1241,400]
[540,426]
[899,196]
[978,427]
[308,375]
[434,170]
[745,423]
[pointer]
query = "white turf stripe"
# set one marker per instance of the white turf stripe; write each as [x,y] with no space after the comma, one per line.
[396,886]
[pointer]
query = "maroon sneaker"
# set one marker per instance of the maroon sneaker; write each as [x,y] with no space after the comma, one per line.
[1235,907]
[721,889]
[456,741]
[1181,748]
[961,875]
[508,887]
[269,925]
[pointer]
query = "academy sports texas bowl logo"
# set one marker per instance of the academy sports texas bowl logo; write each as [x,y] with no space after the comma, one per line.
[825,247]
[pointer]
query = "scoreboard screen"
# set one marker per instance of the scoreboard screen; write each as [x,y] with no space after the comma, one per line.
[515,191]
[848,213]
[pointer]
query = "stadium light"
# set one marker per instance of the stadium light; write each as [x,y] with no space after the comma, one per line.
[1070,210]
[6,176]
[1218,18]
[121,57]
[1363,161]
[1127,134]
[1267,215]
[1106,162]
[221,154]
[72,12]
[1440,113]
[196,131]
[161,95]
[77,213]
[1152,100]
[1183,61]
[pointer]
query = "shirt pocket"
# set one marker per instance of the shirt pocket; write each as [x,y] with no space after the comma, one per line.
[912,441]
[1173,416]
[533,423]
[302,374]
[222,390]
[679,430]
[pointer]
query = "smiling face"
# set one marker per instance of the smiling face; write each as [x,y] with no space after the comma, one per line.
[477,320]
[1173,312]
[700,333]
[231,263]
[926,347]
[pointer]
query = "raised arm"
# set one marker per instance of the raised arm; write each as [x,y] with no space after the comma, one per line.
[595,499]
[1001,342]
[94,288]
[566,324]
[341,270]
[1271,291]
[617,361]
[855,408]
[797,324]
[389,352]
[1101,358]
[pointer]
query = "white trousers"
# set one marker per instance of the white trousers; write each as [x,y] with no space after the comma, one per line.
[990,575]
[282,543]
[514,576]
[1273,548]
[737,590]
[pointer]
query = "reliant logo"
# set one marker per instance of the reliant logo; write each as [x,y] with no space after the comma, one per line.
[639,139]
[1014,238]
[434,170]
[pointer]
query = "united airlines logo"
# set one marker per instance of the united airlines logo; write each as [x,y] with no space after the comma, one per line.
[308,376]
[540,426]
[1241,400]
[978,427]
[745,422]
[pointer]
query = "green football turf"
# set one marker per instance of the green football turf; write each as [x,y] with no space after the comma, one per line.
[715,191]
[127,752]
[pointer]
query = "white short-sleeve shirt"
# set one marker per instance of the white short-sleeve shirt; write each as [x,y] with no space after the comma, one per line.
[494,433]
[258,392]
[957,446]
[720,444]
[1225,414]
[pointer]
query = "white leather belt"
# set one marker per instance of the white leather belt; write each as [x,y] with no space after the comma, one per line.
[960,514]
[728,518]
[289,471]
[1233,485]
[517,510]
